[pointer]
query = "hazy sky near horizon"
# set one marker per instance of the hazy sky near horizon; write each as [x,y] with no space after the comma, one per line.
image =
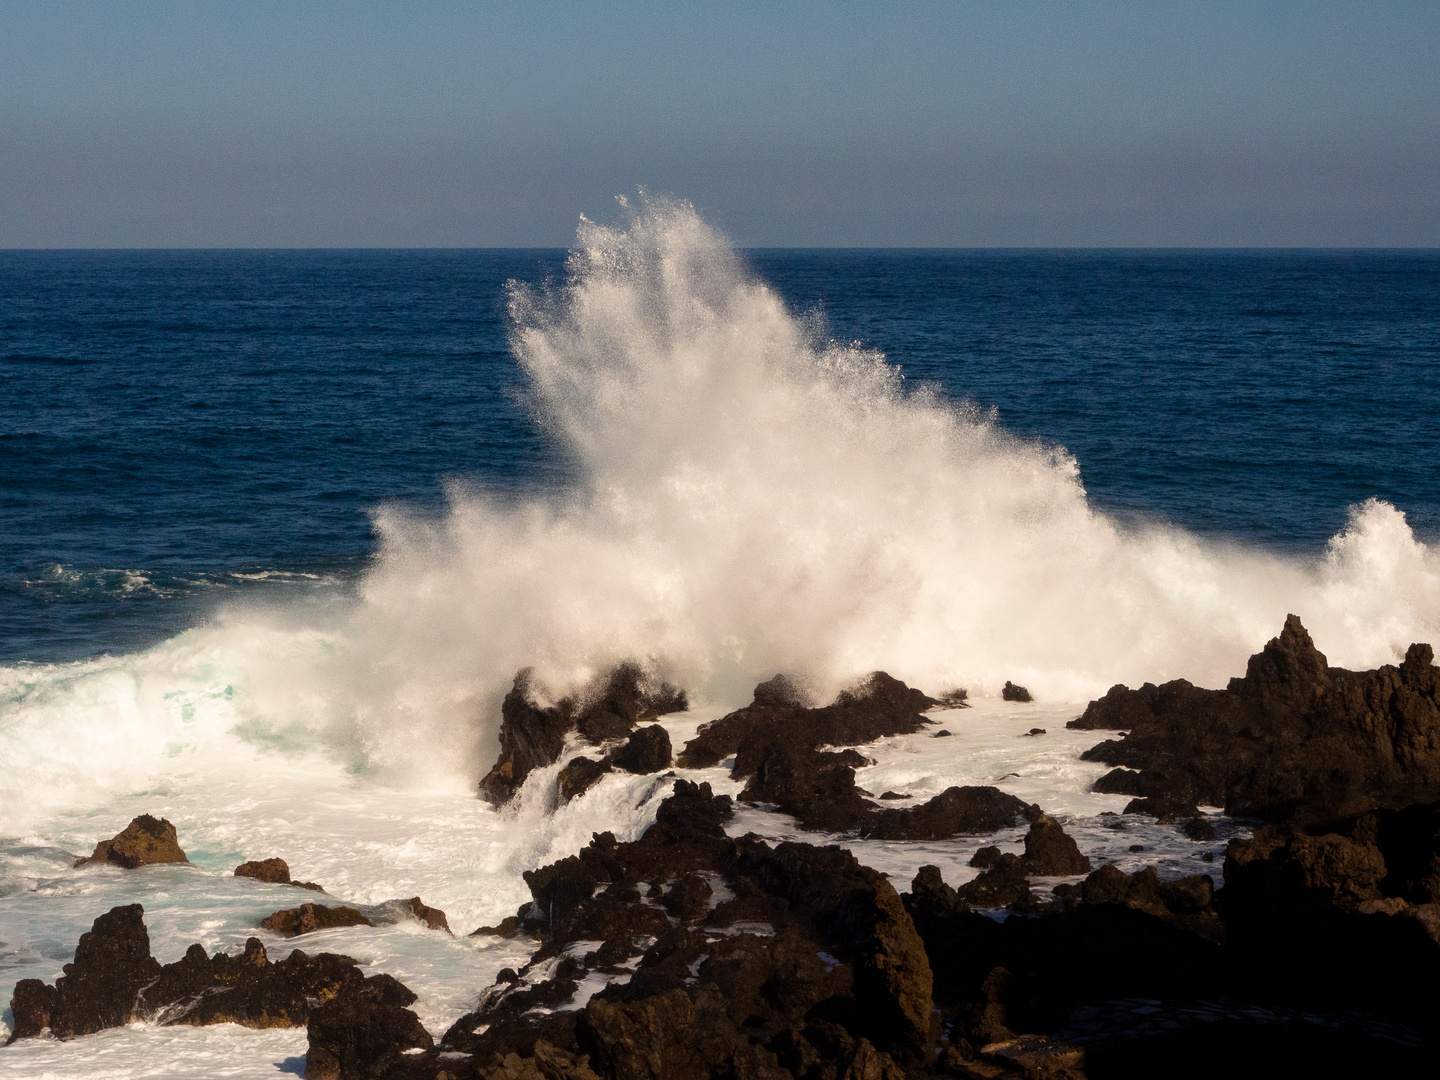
[787,124]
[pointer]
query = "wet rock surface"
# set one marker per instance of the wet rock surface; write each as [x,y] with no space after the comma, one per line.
[533,735]
[1293,739]
[878,707]
[308,917]
[274,871]
[145,841]
[114,980]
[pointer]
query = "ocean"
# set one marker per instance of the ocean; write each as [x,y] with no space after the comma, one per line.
[277,529]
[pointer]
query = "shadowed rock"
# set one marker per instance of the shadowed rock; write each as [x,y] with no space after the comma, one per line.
[954,812]
[432,917]
[308,917]
[1049,852]
[532,736]
[1011,692]
[1293,738]
[579,775]
[114,981]
[646,751]
[145,841]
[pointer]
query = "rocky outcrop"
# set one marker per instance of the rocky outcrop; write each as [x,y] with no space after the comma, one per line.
[1011,692]
[431,917]
[809,965]
[646,751]
[1049,852]
[362,1036]
[308,917]
[533,735]
[273,871]
[1293,739]
[579,775]
[114,980]
[878,707]
[957,811]
[145,841]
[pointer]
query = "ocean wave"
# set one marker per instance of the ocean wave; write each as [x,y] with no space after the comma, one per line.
[750,497]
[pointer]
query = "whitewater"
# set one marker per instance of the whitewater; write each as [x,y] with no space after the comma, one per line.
[749,497]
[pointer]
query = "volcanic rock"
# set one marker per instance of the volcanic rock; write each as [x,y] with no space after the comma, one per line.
[358,1036]
[954,812]
[1011,692]
[146,840]
[432,917]
[646,751]
[114,980]
[308,917]
[532,736]
[1049,852]
[1294,738]
[838,979]
[274,871]
[817,787]
[579,775]
[878,707]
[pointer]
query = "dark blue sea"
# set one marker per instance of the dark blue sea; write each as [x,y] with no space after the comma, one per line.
[180,427]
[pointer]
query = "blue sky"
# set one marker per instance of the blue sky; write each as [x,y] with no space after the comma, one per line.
[946,124]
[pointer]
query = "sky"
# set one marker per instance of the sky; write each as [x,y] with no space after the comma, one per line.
[787,124]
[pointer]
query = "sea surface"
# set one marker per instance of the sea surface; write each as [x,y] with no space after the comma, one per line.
[277,530]
[178,425]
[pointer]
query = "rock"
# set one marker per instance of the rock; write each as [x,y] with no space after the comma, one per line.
[112,962]
[942,734]
[1197,828]
[1003,885]
[532,736]
[114,981]
[689,897]
[356,1036]
[890,796]
[145,841]
[878,707]
[782,692]
[953,699]
[1051,853]
[308,917]
[955,811]
[1293,739]
[274,871]
[817,787]
[986,857]
[646,751]
[432,917]
[579,775]
[839,961]
[1011,692]
[1033,731]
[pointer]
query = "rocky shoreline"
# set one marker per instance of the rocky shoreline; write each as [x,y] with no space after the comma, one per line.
[689,952]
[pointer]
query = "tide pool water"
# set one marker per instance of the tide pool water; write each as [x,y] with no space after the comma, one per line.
[277,530]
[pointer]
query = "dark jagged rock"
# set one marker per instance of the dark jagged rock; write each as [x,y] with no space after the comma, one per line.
[782,692]
[308,917]
[112,962]
[1049,852]
[358,1036]
[1294,738]
[114,981]
[532,736]
[983,859]
[954,699]
[624,699]
[145,841]
[878,707]
[579,775]
[274,871]
[1197,828]
[646,751]
[432,917]
[838,980]
[954,812]
[817,787]
[1011,692]
[1003,885]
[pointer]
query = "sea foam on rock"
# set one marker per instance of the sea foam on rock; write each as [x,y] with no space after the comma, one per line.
[533,735]
[1293,738]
